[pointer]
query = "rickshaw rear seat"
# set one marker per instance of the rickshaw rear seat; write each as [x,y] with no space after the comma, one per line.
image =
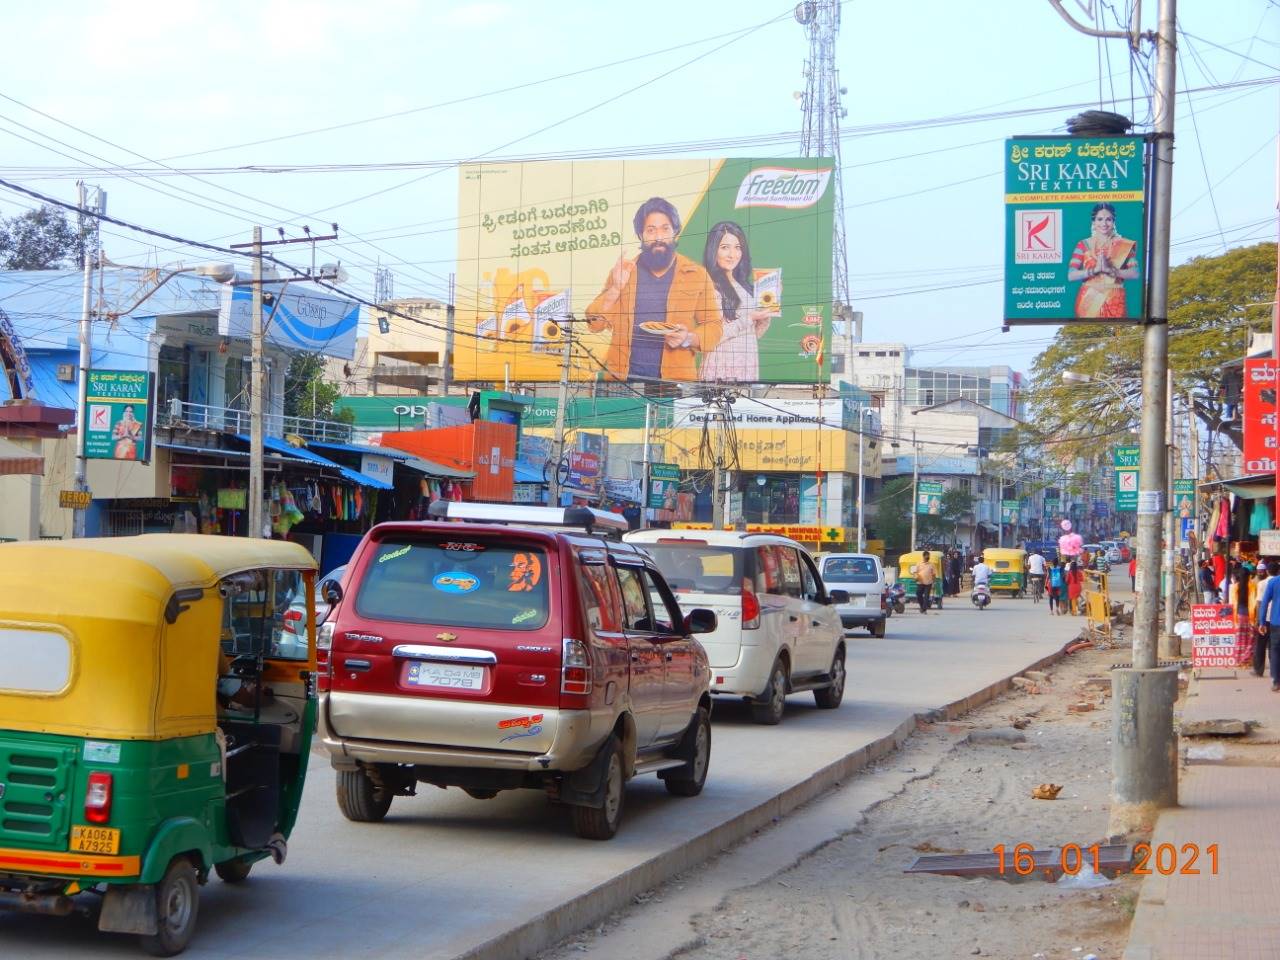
[253,781]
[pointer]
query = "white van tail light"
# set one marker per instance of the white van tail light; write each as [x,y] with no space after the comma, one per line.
[575,668]
[750,605]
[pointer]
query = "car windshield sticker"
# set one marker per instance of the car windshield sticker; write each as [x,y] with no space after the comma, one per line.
[394,554]
[526,572]
[455,581]
[521,617]
[462,547]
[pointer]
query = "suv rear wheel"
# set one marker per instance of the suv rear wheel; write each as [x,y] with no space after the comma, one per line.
[360,799]
[877,629]
[828,698]
[601,823]
[695,750]
[768,709]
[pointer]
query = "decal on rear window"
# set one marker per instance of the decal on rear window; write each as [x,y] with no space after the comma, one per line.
[455,581]
[394,554]
[526,572]
[525,616]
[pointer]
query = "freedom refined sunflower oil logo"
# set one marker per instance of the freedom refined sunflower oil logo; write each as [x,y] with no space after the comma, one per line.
[781,187]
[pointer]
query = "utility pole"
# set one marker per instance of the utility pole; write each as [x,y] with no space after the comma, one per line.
[257,374]
[645,459]
[717,483]
[1170,642]
[915,486]
[862,411]
[557,444]
[1000,509]
[1144,748]
[90,253]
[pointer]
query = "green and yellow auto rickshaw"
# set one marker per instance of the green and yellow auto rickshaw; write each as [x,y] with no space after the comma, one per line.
[157,703]
[907,564]
[1008,570]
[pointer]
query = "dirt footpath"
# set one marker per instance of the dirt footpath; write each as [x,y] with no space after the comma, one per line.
[955,793]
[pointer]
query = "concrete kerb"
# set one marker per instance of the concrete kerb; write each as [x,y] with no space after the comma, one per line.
[549,928]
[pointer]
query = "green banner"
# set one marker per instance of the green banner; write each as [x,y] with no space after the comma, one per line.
[1184,498]
[118,405]
[1126,461]
[929,496]
[1009,511]
[1074,220]
[664,484]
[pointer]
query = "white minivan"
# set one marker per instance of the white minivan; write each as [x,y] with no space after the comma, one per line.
[862,577]
[778,630]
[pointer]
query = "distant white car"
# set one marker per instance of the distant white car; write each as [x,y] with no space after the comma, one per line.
[862,577]
[778,630]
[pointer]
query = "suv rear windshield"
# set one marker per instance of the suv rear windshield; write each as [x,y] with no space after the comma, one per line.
[699,568]
[458,583]
[849,570]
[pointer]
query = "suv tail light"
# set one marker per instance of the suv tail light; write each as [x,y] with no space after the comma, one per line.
[97,798]
[750,605]
[575,669]
[324,645]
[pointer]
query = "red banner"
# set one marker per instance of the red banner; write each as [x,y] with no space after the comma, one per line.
[1260,384]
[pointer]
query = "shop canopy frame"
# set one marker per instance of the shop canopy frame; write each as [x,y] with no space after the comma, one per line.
[420,464]
[289,451]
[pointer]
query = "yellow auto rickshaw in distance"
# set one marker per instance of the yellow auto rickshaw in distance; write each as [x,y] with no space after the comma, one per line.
[1008,570]
[157,702]
[907,564]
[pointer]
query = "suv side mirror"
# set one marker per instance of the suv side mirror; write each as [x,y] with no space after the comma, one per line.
[700,620]
[837,597]
[331,590]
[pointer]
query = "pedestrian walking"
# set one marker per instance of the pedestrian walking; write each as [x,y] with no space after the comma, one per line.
[1260,646]
[1075,586]
[925,577]
[1133,571]
[1269,621]
[1056,584]
[1244,602]
[955,566]
[1208,589]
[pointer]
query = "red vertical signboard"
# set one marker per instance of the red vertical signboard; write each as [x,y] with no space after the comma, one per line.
[1260,384]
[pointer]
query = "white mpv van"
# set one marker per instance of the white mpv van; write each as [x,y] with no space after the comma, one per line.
[777,631]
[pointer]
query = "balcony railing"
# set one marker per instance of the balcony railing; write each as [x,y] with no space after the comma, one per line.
[178,413]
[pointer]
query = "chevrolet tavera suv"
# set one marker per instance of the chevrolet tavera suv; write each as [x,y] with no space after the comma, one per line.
[511,647]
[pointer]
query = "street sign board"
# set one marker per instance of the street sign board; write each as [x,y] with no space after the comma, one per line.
[1125,460]
[118,405]
[929,496]
[1008,511]
[1073,216]
[1261,380]
[74,499]
[1213,635]
[664,484]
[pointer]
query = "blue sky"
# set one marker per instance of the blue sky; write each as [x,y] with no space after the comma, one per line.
[198,86]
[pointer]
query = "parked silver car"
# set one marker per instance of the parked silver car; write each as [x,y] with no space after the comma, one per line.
[862,577]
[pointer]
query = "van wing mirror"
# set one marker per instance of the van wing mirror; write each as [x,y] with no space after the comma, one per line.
[700,620]
[837,596]
[331,590]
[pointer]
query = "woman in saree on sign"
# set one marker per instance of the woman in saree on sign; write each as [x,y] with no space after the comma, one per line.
[1102,263]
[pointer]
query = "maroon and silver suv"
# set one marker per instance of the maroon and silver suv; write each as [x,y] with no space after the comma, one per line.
[527,648]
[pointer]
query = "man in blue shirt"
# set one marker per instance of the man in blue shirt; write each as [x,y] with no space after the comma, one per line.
[1269,620]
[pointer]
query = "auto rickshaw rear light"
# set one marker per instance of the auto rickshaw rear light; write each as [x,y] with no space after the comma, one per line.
[575,668]
[97,798]
[750,605]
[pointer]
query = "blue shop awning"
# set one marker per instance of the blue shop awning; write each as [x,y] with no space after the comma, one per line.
[302,453]
[528,474]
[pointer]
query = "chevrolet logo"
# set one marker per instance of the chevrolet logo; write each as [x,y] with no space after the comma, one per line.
[446,637]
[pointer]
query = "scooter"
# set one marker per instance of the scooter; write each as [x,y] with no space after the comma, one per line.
[898,598]
[981,595]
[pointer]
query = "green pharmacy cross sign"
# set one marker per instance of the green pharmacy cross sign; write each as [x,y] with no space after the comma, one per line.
[1074,229]
[118,404]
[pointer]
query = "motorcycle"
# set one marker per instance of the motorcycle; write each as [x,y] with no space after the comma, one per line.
[981,595]
[898,598]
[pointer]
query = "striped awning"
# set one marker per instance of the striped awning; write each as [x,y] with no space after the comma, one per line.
[19,460]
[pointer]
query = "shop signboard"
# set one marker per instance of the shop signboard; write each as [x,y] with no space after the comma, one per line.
[542,242]
[118,405]
[802,532]
[1009,511]
[929,497]
[1184,498]
[1260,385]
[1074,219]
[1125,460]
[664,485]
[1269,543]
[1213,635]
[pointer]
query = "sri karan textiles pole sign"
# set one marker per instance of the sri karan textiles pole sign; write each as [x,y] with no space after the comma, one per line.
[1075,238]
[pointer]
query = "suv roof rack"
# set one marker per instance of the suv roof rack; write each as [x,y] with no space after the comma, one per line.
[584,518]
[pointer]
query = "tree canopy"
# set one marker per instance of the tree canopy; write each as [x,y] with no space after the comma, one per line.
[307,394]
[893,516]
[41,239]
[1213,304]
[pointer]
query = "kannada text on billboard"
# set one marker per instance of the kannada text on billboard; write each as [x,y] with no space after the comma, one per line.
[672,270]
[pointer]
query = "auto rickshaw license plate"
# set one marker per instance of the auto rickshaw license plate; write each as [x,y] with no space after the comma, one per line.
[95,839]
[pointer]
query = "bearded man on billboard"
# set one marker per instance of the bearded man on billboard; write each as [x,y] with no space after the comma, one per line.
[661,307]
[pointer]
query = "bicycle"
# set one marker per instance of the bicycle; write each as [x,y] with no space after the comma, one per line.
[1037,589]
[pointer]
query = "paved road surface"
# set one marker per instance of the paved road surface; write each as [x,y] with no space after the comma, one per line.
[445,873]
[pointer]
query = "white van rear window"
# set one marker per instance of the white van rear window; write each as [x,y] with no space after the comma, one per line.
[34,661]
[849,570]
